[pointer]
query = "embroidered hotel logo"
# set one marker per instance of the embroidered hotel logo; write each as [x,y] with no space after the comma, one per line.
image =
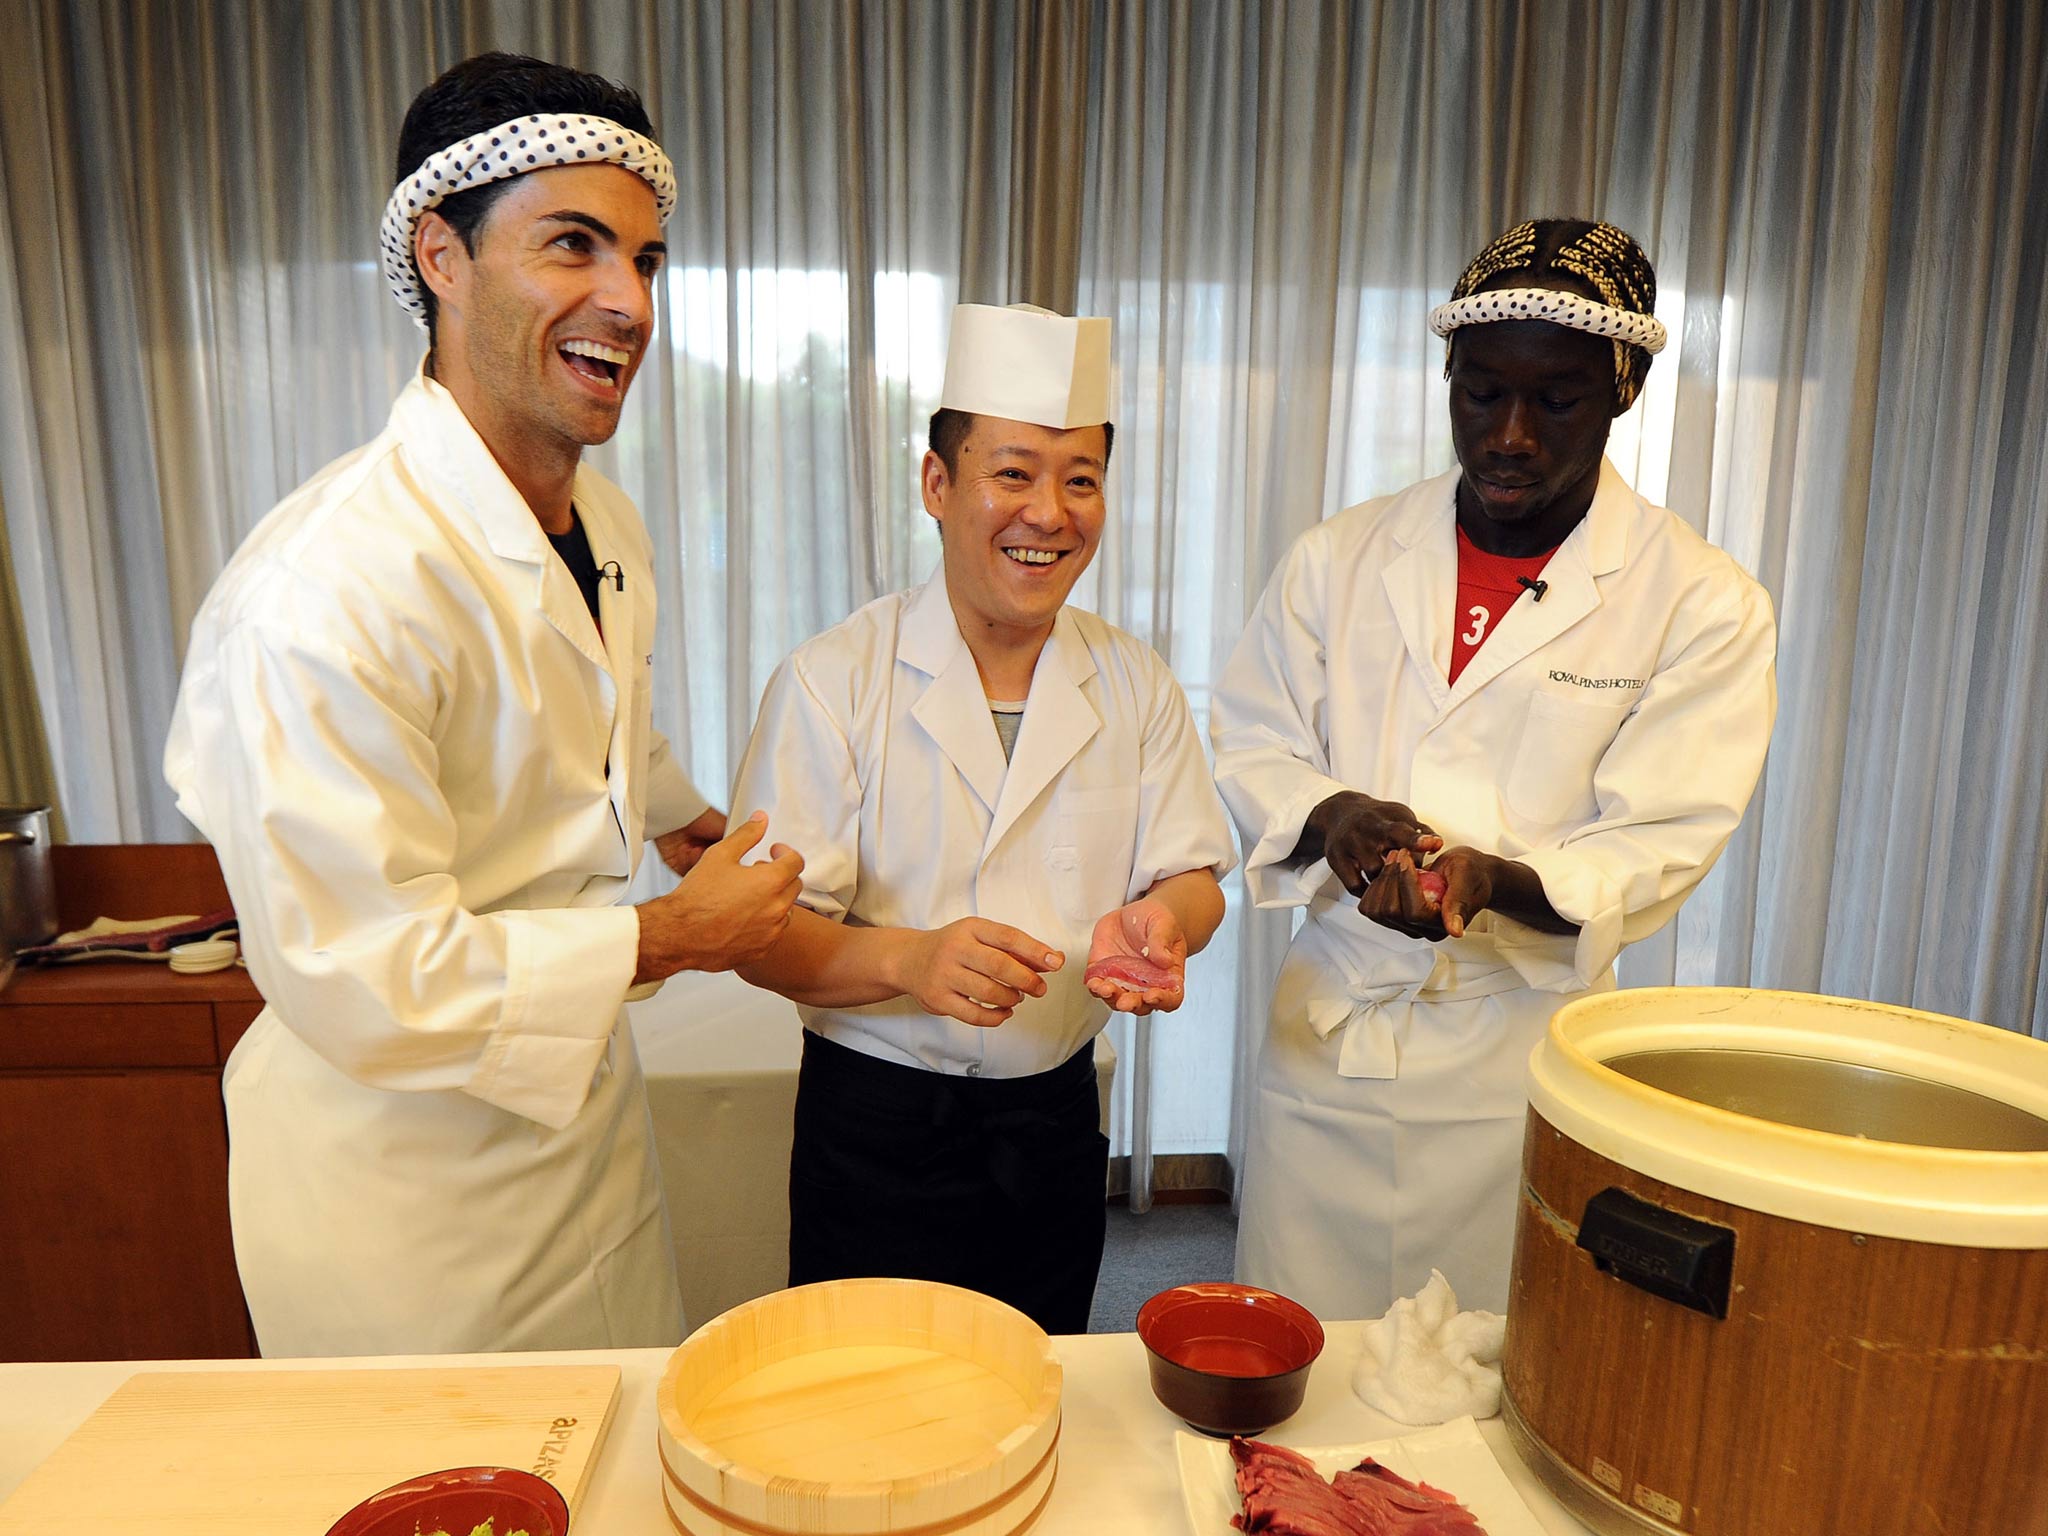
[1595,682]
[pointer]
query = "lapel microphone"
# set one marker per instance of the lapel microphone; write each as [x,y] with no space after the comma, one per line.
[612,572]
[1535,584]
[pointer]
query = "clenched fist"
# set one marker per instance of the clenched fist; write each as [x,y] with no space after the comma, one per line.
[1440,901]
[681,849]
[724,913]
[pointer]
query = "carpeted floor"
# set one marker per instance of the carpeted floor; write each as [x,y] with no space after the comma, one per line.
[1168,1245]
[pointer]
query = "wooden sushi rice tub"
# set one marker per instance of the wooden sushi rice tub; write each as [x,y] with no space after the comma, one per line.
[1781,1266]
[861,1406]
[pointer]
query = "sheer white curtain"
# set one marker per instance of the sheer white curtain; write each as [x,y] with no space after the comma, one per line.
[1847,203]
[191,320]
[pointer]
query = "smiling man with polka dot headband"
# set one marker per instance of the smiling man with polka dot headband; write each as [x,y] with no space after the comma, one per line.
[414,723]
[1487,730]
[462,178]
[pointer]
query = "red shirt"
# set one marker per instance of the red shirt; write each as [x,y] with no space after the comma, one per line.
[1488,585]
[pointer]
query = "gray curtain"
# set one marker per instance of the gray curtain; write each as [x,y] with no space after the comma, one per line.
[1847,201]
[26,777]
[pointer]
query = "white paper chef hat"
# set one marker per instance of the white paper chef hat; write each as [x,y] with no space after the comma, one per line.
[1024,363]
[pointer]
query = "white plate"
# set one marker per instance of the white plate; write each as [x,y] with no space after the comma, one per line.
[1450,1456]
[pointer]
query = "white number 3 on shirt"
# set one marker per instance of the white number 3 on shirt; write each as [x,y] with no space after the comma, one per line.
[1480,617]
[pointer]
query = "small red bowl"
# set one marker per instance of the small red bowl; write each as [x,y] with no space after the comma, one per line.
[458,1501]
[1229,1359]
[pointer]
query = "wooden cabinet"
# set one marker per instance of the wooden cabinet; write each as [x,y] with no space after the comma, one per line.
[114,1241]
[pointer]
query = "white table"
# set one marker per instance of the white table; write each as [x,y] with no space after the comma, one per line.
[721,1061]
[1117,1476]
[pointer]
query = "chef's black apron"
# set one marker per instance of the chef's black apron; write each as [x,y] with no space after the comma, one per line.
[996,1184]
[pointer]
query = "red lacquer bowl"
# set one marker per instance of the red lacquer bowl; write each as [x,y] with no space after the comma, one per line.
[458,1501]
[1229,1359]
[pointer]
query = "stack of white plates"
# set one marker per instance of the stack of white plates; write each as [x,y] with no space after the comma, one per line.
[202,956]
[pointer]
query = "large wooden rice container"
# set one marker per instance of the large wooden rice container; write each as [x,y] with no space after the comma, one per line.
[1781,1267]
[861,1406]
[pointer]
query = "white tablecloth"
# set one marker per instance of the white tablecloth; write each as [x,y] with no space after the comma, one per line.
[1117,1474]
[721,1059]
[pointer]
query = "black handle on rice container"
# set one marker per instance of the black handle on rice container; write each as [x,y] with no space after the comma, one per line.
[1678,1257]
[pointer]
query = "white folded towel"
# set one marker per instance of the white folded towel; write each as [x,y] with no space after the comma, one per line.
[1426,1362]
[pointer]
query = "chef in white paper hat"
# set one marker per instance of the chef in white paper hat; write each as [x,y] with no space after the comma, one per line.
[1008,829]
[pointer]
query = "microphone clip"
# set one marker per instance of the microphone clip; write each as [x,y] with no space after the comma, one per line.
[1535,584]
[612,571]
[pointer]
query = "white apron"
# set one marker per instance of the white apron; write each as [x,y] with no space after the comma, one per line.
[437,1223]
[1356,1187]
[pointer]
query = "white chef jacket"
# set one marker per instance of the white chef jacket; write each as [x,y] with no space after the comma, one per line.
[875,755]
[1608,736]
[428,778]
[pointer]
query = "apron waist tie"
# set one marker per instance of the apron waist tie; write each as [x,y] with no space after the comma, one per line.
[1364,1010]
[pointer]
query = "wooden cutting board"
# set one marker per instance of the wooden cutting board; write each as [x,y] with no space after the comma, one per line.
[287,1453]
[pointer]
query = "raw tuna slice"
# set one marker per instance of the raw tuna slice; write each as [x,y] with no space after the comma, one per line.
[1405,1508]
[1134,974]
[1284,1495]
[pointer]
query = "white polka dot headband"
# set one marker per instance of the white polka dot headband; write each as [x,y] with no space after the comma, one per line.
[1581,314]
[511,149]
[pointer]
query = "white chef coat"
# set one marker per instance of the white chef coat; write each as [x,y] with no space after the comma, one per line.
[876,756]
[1608,736]
[428,778]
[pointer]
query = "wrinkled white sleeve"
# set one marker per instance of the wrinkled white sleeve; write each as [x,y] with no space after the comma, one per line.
[799,768]
[1181,824]
[316,779]
[1671,790]
[1268,724]
[673,801]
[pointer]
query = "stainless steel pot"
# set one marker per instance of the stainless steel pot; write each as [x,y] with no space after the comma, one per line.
[28,898]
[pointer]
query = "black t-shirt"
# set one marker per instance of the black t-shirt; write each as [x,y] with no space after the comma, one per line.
[574,548]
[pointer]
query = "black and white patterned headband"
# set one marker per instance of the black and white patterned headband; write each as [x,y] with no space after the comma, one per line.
[1581,314]
[511,149]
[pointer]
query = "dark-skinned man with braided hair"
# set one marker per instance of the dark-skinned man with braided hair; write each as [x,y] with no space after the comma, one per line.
[1486,731]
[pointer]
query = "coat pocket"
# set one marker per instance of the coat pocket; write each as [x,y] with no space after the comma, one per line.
[1089,863]
[1550,781]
